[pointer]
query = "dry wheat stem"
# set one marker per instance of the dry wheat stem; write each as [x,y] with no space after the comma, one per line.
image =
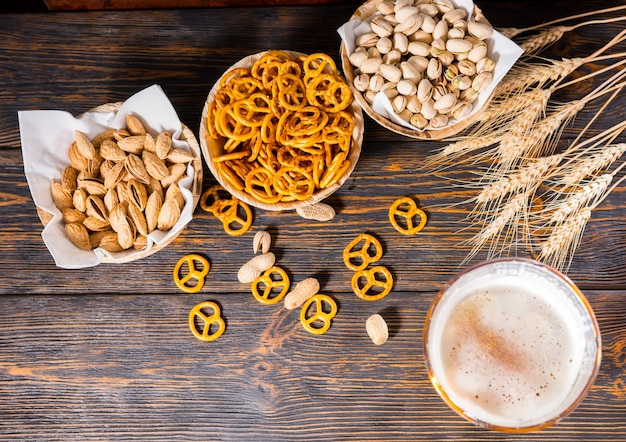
[510,213]
[513,32]
[524,180]
[459,148]
[593,164]
[585,195]
[558,249]
[525,75]
[547,36]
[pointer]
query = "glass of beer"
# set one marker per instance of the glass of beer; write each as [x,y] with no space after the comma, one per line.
[512,345]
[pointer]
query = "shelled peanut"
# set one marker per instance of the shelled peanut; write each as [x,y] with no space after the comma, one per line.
[427,56]
[120,186]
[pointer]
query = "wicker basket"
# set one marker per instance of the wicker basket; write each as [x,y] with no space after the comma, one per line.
[364,12]
[196,190]
[212,148]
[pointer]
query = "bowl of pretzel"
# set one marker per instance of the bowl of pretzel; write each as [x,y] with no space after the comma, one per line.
[280,129]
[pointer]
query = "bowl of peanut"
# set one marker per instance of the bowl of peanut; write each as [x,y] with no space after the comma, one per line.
[425,68]
[280,130]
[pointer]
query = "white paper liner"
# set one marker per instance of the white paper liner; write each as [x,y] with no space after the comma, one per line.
[501,50]
[46,136]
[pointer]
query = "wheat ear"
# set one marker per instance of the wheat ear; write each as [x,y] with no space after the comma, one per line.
[546,37]
[491,232]
[575,201]
[513,32]
[527,177]
[559,248]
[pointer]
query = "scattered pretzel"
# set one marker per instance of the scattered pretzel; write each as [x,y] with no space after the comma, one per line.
[208,321]
[358,258]
[193,273]
[274,278]
[325,310]
[406,209]
[373,288]
[235,215]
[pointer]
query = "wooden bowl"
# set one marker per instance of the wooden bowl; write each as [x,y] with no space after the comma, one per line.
[212,148]
[364,12]
[196,190]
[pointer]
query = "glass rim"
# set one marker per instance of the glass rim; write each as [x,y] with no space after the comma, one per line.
[531,427]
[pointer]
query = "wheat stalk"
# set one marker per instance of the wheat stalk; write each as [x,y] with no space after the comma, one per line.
[558,248]
[491,232]
[513,32]
[523,180]
[549,35]
[576,200]
[593,164]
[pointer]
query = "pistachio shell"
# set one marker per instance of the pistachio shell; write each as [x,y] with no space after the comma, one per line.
[361,82]
[381,27]
[409,26]
[445,103]
[367,39]
[357,58]
[424,90]
[391,72]
[457,45]
[419,48]
[371,65]
[479,30]
[406,87]
[405,12]
[384,45]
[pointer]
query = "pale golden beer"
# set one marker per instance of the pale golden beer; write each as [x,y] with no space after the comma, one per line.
[512,345]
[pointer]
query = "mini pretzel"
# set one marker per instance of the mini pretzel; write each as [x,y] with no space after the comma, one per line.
[291,91]
[325,310]
[208,321]
[294,182]
[235,215]
[236,222]
[316,64]
[193,273]
[359,258]
[373,288]
[329,94]
[406,209]
[274,278]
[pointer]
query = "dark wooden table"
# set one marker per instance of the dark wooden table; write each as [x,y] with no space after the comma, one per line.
[105,353]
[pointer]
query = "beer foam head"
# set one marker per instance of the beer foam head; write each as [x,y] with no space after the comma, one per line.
[511,344]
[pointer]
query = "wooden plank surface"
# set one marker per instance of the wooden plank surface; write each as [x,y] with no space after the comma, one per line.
[105,353]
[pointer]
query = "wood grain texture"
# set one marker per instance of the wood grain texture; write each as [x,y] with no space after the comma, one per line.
[105,353]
